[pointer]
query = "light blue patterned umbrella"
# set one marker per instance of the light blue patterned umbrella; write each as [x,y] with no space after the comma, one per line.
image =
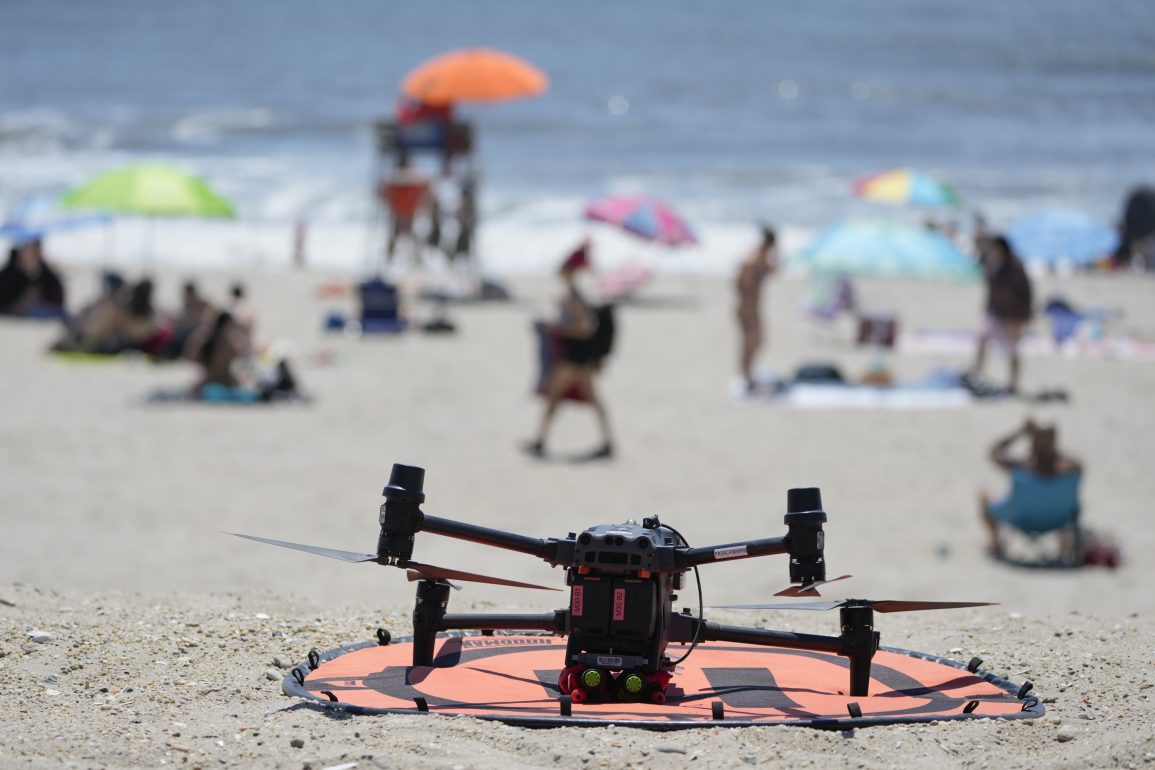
[1062,235]
[886,250]
[18,232]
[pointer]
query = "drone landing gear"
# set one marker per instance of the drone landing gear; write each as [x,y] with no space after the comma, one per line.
[598,685]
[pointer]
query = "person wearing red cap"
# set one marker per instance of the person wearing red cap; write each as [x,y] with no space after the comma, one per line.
[579,362]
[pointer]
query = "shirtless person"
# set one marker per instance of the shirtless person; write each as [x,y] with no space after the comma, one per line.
[755,269]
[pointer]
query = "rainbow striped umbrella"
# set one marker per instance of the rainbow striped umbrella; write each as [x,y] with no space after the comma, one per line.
[644,216]
[904,186]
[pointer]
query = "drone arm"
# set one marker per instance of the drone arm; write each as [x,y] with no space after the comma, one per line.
[430,617]
[428,621]
[769,546]
[546,621]
[716,632]
[533,546]
[857,644]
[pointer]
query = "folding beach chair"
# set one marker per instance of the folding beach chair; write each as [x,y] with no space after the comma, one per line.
[1038,506]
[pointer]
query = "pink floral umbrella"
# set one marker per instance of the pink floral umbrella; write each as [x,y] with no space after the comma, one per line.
[644,216]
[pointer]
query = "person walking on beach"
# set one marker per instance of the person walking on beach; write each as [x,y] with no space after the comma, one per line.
[758,265]
[582,348]
[1008,305]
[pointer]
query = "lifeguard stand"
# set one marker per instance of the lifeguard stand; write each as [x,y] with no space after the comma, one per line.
[450,138]
[423,130]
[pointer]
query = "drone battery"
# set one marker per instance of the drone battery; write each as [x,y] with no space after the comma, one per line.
[632,608]
[591,600]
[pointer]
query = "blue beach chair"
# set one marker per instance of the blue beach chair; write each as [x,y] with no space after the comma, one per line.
[1039,505]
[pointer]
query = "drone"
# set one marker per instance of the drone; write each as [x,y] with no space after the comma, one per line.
[622,581]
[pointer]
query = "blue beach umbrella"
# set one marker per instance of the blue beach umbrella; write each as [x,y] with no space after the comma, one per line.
[1062,235]
[886,250]
[18,232]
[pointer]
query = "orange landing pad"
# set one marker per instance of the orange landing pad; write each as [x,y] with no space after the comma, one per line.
[513,678]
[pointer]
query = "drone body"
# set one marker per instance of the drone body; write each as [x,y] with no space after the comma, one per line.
[623,580]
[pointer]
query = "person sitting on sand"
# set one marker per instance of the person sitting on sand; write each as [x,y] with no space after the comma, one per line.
[220,353]
[195,313]
[576,327]
[1044,461]
[758,265]
[118,321]
[141,326]
[1008,305]
[29,286]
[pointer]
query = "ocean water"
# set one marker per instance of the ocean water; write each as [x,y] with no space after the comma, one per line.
[735,112]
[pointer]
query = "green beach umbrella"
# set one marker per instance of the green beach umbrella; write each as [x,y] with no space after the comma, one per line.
[150,190]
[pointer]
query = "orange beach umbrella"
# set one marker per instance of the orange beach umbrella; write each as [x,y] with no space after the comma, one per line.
[474,75]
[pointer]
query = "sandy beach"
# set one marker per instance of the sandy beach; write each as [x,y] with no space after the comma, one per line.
[166,634]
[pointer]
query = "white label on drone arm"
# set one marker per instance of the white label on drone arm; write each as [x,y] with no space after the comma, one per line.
[733,552]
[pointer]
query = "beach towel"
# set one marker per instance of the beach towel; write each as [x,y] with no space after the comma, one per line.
[809,390]
[548,356]
[963,342]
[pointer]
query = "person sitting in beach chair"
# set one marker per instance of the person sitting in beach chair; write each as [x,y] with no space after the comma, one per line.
[1044,494]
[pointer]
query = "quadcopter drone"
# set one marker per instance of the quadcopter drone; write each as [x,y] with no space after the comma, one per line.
[622,580]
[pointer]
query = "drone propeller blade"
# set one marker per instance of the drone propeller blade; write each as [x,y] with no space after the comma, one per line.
[418,571]
[414,576]
[798,606]
[809,589]
[885,605]
[902,606]
[348,556]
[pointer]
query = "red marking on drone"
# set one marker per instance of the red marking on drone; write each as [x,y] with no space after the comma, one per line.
[619,604]
[576,601]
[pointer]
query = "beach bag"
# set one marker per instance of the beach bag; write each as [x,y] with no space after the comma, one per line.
[819,374]
[601,344]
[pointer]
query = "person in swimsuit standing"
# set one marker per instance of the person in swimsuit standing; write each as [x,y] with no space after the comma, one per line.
[759,265]
[1008,306]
